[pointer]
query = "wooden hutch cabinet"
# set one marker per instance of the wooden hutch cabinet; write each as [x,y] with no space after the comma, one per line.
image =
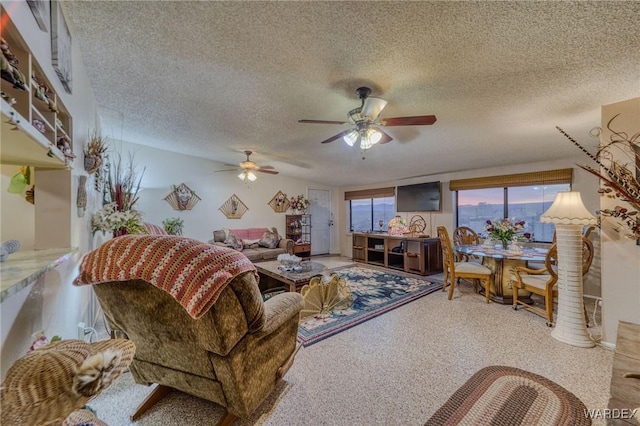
[414,255]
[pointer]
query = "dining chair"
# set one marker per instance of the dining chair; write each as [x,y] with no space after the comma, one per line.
[463,235]
[543,281]
[454,270]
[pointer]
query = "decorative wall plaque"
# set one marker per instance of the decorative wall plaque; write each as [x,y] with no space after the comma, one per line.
[182,197]
[233,208]
[279,203]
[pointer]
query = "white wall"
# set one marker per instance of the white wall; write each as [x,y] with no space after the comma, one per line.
[164,168]
[620,256]
[52,303]
[582,181]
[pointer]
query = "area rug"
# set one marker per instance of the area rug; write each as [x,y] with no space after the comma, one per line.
[374,293]
[500,395]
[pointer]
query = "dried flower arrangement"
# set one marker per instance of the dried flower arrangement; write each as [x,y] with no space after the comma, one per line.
[93,154]
[617,176]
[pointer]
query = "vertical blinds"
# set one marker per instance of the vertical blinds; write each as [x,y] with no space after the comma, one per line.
[370,193]
[547,177]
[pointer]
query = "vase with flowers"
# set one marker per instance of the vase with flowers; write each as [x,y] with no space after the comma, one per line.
[121,194]
[504,230]
[616,173]
[299,204]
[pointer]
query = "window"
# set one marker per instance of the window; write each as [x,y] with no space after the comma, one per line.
[366,214]
[476,206]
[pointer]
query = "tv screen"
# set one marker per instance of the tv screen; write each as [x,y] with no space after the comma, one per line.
[421,197]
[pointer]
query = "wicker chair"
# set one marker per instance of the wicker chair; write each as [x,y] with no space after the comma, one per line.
[454,270]
[543,281]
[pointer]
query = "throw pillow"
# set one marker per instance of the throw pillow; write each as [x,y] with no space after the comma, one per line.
[250,243]
[234,242]
[269,240]
[219,235]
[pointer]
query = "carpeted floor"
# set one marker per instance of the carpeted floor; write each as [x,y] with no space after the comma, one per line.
[374,292]
[397,368]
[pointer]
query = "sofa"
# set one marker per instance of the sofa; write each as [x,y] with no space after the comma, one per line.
[253,243]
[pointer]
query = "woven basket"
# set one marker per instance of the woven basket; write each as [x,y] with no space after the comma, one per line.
[84,418]
[44,387]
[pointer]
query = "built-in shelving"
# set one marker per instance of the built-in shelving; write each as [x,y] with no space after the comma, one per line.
[23,143]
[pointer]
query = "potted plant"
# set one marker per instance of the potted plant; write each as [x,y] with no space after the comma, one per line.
[173,225]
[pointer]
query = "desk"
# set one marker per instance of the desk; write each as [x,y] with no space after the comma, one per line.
[502,264]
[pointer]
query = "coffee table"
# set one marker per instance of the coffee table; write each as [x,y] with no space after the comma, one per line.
[292,281]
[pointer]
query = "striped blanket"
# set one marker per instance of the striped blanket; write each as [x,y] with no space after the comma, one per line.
[192,272]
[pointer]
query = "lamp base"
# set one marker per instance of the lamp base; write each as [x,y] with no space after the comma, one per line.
[575,338]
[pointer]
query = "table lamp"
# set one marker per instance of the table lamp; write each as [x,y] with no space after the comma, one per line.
[569,215]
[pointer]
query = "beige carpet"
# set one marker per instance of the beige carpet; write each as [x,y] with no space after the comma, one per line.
[398,368]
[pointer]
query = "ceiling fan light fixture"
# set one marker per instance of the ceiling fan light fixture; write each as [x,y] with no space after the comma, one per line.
[351,138]
[247,175]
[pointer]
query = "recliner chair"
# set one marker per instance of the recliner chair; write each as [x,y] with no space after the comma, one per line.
[233,355]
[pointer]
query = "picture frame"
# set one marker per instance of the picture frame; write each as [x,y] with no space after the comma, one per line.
[233,208]
[61,48]
[41,10]
[280,202]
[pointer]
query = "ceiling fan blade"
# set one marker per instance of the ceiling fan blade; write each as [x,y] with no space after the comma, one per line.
[372,107]
[385,137]
[266,167]
[271,172]
[321,122]
[418,120]
[226,170]
[230,165]
[338,136]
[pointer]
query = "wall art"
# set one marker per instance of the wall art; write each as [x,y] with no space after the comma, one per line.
[40,10]
[233,208]
[279,203]
[182,197]
[60,46]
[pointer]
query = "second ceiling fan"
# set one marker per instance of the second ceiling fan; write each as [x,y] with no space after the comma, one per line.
[367,122]
[248,167]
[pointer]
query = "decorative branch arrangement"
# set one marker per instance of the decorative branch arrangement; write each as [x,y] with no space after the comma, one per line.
[182,197]
[617,177]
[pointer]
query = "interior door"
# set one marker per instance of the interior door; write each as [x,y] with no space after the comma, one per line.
[320,210]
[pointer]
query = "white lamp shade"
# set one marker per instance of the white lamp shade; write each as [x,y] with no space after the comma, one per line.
[351,137]
[372,107]
[251,176]
[568,209]
[242,175]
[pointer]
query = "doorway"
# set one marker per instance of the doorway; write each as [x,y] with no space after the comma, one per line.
[320,210]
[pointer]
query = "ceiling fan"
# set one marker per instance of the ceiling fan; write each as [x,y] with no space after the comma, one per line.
[366,120]
[247,169]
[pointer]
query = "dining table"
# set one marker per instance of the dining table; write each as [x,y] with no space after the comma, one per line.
[502,263]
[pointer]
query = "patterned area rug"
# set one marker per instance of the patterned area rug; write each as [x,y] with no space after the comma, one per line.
[374,293]
[499,395]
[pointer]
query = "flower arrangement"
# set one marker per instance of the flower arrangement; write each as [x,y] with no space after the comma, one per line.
[120,222]
[617,177]
[504,230]
[298,203]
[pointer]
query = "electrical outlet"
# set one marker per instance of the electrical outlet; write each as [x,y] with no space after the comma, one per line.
[81,327]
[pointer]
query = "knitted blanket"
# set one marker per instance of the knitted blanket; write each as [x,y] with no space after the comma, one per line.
[192,272]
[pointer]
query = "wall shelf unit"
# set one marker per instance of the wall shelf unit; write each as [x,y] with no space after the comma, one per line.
[414,255]
[22,143]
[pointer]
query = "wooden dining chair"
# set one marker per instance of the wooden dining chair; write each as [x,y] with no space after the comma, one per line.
[543,281]
[463,235]
[454,270]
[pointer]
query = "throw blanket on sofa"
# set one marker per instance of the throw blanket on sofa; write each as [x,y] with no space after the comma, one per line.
[192,272]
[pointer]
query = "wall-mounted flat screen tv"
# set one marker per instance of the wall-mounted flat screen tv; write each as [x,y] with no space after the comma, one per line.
[421,197]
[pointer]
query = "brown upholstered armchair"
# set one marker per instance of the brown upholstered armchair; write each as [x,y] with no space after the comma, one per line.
[232,355]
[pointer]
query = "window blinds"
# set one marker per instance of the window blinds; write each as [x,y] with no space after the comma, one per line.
[547,177]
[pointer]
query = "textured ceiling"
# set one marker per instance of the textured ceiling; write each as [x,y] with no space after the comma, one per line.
[211,79]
